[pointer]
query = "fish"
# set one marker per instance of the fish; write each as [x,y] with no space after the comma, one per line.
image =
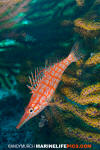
[44,84]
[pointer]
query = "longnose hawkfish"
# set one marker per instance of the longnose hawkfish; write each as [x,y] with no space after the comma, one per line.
[43,88]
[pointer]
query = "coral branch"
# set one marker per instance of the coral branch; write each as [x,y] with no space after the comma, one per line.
[87,25]
[95,59]
[83,135]
[9,10]
[90,89]
[71,81]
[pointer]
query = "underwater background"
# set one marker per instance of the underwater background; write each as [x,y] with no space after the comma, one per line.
[31,32]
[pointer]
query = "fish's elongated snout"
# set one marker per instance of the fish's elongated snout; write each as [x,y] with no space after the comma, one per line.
[22,121]
[18,126]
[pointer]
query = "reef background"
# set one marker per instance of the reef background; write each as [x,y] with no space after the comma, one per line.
[31,32]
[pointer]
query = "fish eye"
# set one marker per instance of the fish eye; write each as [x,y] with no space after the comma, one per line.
[30,110]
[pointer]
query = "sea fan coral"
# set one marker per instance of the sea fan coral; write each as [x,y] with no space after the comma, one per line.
[87,25]
[82,101]
[80,2]
[95,59]
[91,89]
[71,81]
[8,73]
[12,12]
[92,111]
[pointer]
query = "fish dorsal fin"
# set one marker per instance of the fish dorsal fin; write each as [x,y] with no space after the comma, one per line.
[35,78]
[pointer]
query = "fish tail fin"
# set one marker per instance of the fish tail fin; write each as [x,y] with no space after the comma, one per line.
[76,52]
